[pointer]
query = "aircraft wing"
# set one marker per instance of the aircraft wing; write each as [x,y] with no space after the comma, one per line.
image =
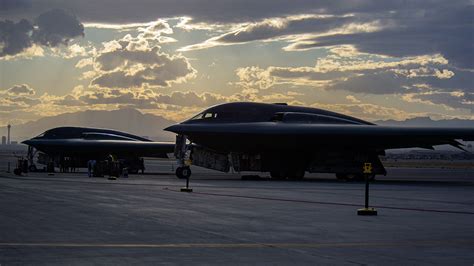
[329,135]
[139,148]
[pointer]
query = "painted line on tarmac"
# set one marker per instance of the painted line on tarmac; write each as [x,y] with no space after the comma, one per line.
[328,203]
[242,245]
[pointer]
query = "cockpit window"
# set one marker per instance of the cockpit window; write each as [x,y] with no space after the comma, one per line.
[205,115]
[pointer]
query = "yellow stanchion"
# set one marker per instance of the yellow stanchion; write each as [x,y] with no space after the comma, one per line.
[367,170]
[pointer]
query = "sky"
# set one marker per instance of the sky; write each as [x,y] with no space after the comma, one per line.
[374,60]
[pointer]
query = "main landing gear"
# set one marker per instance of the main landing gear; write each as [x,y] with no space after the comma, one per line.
[181,152]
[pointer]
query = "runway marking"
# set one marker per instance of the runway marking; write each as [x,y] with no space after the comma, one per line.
[242,245]
[329,203]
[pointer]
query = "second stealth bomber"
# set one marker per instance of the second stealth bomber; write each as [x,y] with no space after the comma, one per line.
[288,141]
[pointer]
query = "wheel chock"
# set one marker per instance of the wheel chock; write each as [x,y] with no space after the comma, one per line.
[367,211]
[186,189]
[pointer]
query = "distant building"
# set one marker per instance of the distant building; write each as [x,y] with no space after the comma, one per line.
[13,142]
[4,140]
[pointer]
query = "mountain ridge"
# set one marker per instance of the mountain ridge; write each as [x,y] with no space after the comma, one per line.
[126,120]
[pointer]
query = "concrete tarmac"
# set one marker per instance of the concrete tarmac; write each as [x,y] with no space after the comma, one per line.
[426,216]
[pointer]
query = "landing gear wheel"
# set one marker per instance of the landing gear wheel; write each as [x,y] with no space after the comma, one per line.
[183,172]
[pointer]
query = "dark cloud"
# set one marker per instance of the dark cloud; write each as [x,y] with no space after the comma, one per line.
[15,37]
[447,31]
[57,27]
[462,80]
[51,29]
[219,11]
[12,5]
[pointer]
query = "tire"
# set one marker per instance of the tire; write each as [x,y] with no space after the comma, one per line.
[183,172]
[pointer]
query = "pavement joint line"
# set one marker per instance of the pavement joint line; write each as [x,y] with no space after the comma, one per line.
[240,245]
[328,203]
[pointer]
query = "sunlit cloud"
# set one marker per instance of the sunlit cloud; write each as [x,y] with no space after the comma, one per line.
[374,60]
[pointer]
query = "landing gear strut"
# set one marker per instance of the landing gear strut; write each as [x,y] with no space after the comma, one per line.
[180,149]
[183,170]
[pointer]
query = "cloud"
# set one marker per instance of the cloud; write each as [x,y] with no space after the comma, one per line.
[133,62]
[85,62]
[273,29]
[18,90]
[382,29]
[396,28]
[352,99]
[374,75]
[124,12]
[56,27]
[51,29]
[15,37]
[423,79]
[16,104]
[24,100]
[438,29]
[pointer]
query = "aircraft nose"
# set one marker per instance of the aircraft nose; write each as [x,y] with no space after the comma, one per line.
[27,142]
[173,128]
